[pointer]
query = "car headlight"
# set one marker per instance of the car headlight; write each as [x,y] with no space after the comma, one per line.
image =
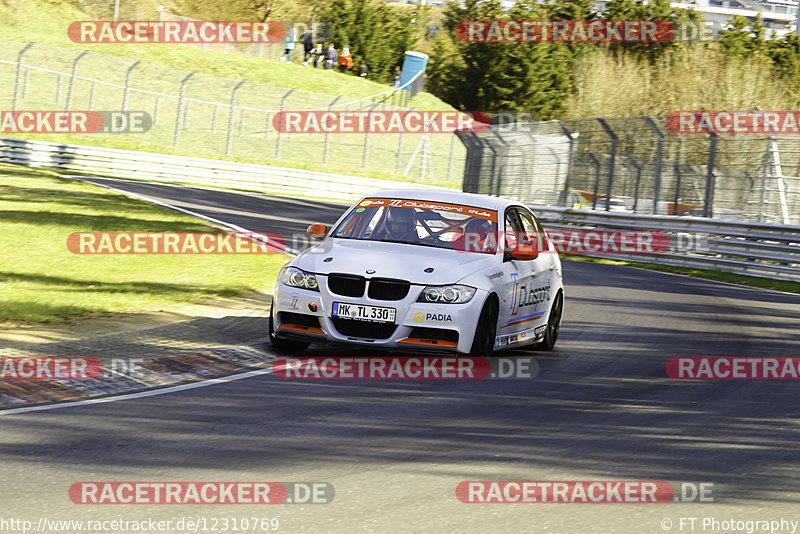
[294,277]
[454,294]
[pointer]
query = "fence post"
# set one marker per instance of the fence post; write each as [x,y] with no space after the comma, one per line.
[280,136]
[638,166]
[232,118]
[571,139]
[59,84]
[366,140]
[156,109]
[186,109]
[25,83]
[72,78]
[612,161]
[17,79]
[328,134]
[659,162]
[452,155]
[214,119]
[596,178]
[399,157]
[677,188]
[128,85]
[92,91]
[710,178]
[179,113]
[127,91]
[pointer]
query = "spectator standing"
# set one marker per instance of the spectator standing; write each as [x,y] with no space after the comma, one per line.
[316,56]
[362,69]
[330,57]
[396,75]
[308,46]
[288,44]
[345,60]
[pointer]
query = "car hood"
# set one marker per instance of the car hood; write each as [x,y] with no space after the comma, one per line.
[392,260]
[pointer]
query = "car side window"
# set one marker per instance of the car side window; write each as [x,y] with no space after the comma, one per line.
[533,228]
[513,224]
[513,228]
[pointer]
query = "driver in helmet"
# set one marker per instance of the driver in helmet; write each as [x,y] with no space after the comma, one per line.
[476,233]
[401,225]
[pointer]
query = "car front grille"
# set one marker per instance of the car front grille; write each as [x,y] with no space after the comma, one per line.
[377,288]
[347,286]
[351,327]
[380,289]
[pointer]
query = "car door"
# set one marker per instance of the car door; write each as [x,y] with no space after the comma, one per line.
[512,316]
[544,267]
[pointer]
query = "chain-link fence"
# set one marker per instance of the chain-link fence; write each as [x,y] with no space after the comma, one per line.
[638,165]
[209,115]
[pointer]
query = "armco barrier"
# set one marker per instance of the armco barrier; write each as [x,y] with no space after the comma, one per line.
[189,170]
[756,249]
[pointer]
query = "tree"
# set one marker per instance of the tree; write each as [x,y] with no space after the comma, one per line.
[374,30]
[741,38]
[680,19]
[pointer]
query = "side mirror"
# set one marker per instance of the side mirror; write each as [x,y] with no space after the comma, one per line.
[317,231]
[524,252]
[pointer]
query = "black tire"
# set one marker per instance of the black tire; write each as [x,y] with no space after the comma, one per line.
[284,345]
[553,325]
[485,333]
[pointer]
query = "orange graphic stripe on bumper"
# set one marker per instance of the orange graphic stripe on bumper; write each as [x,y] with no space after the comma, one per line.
[429,342]
[301,328]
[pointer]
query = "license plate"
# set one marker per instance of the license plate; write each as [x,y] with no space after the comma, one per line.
[363,313]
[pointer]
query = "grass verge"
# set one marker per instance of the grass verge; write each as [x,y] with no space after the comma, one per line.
[42,281]
[752,281]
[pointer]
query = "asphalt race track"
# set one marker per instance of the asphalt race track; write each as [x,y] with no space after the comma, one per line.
[601,408]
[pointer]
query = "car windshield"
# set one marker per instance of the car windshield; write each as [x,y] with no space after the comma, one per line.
[421,222]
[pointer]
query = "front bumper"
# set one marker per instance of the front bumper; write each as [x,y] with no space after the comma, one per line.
[419,327]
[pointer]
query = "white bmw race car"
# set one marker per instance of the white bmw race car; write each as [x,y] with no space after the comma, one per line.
[423,271]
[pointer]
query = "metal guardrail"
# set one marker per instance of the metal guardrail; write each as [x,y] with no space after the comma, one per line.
[756,249]
[746,248]
[190,170]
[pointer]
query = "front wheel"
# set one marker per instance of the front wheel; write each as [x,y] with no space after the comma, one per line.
[483,342]
[553,324]
[286,345]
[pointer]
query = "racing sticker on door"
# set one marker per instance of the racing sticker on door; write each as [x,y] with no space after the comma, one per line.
[526,299]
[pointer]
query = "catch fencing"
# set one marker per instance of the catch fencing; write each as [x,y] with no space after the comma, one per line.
[638,165]
[196,113]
